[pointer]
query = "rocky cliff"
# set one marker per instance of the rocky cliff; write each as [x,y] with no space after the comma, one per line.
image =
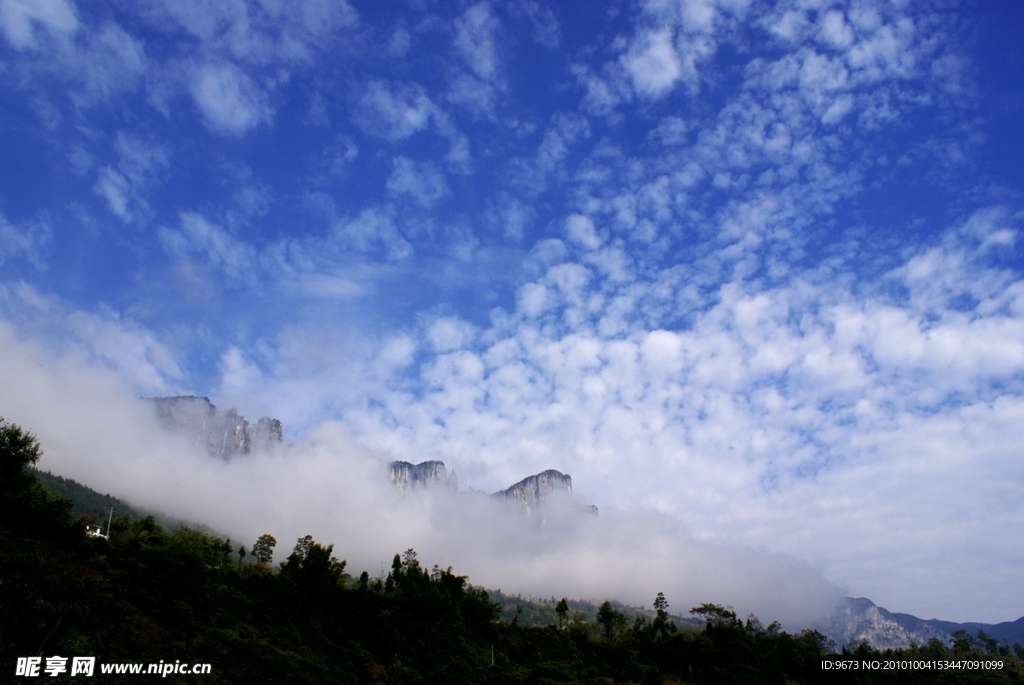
[225,434]
[408,477]
[533,490]
[857,619]
[528,493]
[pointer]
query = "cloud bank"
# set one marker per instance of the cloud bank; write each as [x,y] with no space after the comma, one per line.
[94,430]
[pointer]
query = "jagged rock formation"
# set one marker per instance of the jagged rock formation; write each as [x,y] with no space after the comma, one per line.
[266,432]
[529,493]
[860,619]
[225,434]
[533,490]
[408,477]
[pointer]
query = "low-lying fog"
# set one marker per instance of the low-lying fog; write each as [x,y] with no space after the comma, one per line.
[94,429]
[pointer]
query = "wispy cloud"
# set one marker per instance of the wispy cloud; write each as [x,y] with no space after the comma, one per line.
[421,180]
[393,111]
[124,185]
[230,101]
[475,40]
[22,19]
[27,241]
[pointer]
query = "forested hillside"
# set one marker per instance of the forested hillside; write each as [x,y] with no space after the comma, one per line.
[148,595]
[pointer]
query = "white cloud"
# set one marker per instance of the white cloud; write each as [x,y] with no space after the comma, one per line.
[328,286]
[239,376]
[716,335]
[393,111]
[473,94]
[673,40]
[93,428]
[27,241]
[653,64]
[397,352]
[563,132]
[767,420]
[373,230]
[533,300]
[511,216]
[139,165]
[110,62]
[450,333]
[422,180]
[20,19]
[835,30]
[580,230]
[474,38]
[230,101]
[113,187]
[106,339]
[604,91]
[699,15]
[671,131]
[790,25]
[292,31]
[400,42]
[98,62]
[546,29]
[214,245]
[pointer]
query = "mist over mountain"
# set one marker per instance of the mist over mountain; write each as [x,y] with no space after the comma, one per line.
[529,493]
[223,433]
[408,477]
[95,430]
[852,621]
[139,592]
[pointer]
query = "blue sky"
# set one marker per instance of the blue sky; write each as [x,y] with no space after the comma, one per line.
[753,266]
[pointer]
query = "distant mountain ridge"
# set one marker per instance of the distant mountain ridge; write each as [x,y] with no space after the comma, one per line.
[858,619]
[225,434]
[529,493]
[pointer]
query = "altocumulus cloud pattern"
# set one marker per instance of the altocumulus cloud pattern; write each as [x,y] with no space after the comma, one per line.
[754,266]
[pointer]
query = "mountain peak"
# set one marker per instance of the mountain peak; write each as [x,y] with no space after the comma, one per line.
[408,477]
[225,434]
[535,489]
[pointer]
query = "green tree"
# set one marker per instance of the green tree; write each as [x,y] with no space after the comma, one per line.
[22,497]
[987,642]
[263,550]
[662,624]
[562,609]
[18,449]
[610,619]
[312,565]
[715,615]
[409,561]
[963,643]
